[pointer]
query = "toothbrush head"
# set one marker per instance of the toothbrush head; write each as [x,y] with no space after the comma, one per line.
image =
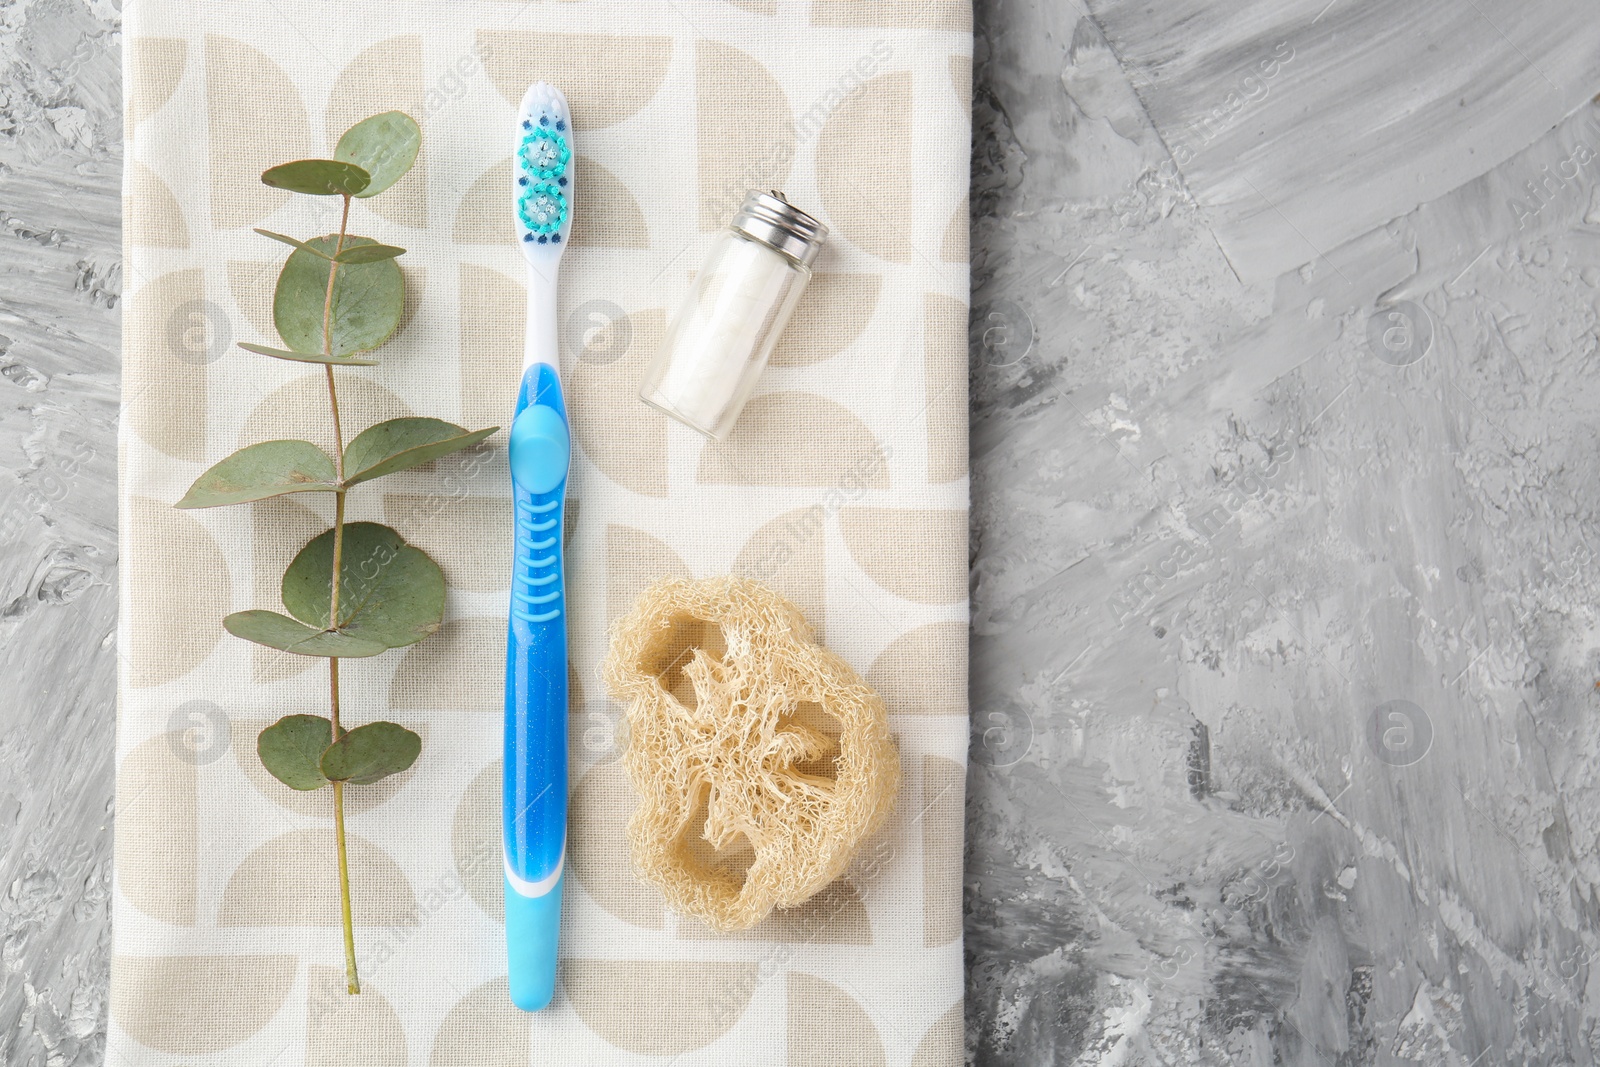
[542,173]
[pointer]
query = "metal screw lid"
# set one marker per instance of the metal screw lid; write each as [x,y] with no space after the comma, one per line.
[778,224]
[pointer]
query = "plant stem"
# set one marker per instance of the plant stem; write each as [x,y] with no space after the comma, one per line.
[353,980]
[338,560]
[338,434]
[333,694]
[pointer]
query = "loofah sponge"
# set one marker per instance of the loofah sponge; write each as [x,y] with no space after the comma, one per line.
[748,743]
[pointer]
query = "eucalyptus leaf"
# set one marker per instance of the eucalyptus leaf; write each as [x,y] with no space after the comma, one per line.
[318,177]
[293,242]
[368,253]
[370,753]
[308,357]
[368,299]
[271,468]
[400,444]
[390,593]
[384,146]
[291,750]
[288,635]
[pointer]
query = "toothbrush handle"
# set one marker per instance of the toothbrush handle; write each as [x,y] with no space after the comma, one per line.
[543,338]
[535,787]
[535,784]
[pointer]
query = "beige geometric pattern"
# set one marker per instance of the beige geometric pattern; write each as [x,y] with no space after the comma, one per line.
[607,214]
[799,439]
[830,317]
[450,529]
[957,236]
[166,547]
[871,133]
[942,1044]
[828,1028]
[167,388]
[299,409]
[494,312]
[160,224]
[787,554]
[745,130]
[157,807]
[844,486]
[602,802]
[914,674]
[278,527]
[484,1029]
[475,842]
[281,884]
[606,80]
[659,1008]
[457,668]
[344,1030]
[192,1005]
[635,560]
[941,809]
[898,549]
[632,455]
[250,285]
[945,351]
[155,64]
[257,118]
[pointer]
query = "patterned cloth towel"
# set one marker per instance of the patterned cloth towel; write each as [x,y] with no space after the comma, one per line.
[844,486]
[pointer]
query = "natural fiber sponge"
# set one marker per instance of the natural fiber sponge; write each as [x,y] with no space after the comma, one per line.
[761,759]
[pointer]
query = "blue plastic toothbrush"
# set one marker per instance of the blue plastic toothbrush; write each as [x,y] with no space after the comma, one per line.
[535,796]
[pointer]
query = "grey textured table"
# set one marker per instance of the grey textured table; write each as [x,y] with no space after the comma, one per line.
[1284,471]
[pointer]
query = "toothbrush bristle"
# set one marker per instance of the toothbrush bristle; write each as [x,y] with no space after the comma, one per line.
[543,169]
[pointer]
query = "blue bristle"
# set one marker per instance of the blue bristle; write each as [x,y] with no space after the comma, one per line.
[543,238]
[522,181]
[563,181]
[544,120]
[557,237]
[527,125]
[527,237]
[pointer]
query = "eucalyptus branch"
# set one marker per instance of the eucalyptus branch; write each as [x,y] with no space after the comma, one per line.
[339,297]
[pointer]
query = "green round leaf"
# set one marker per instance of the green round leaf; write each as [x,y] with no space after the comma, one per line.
[370,753]
[291,750]
[271,468]
[384,146]
[399,444]
[318,177]
[287,635]
[308,357]
[368,299]
[390,593]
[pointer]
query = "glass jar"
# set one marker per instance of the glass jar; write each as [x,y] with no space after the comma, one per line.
[723,333]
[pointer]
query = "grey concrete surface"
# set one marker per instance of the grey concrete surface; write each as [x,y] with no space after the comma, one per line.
[1284,642]
[1284,627]
[60,275]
